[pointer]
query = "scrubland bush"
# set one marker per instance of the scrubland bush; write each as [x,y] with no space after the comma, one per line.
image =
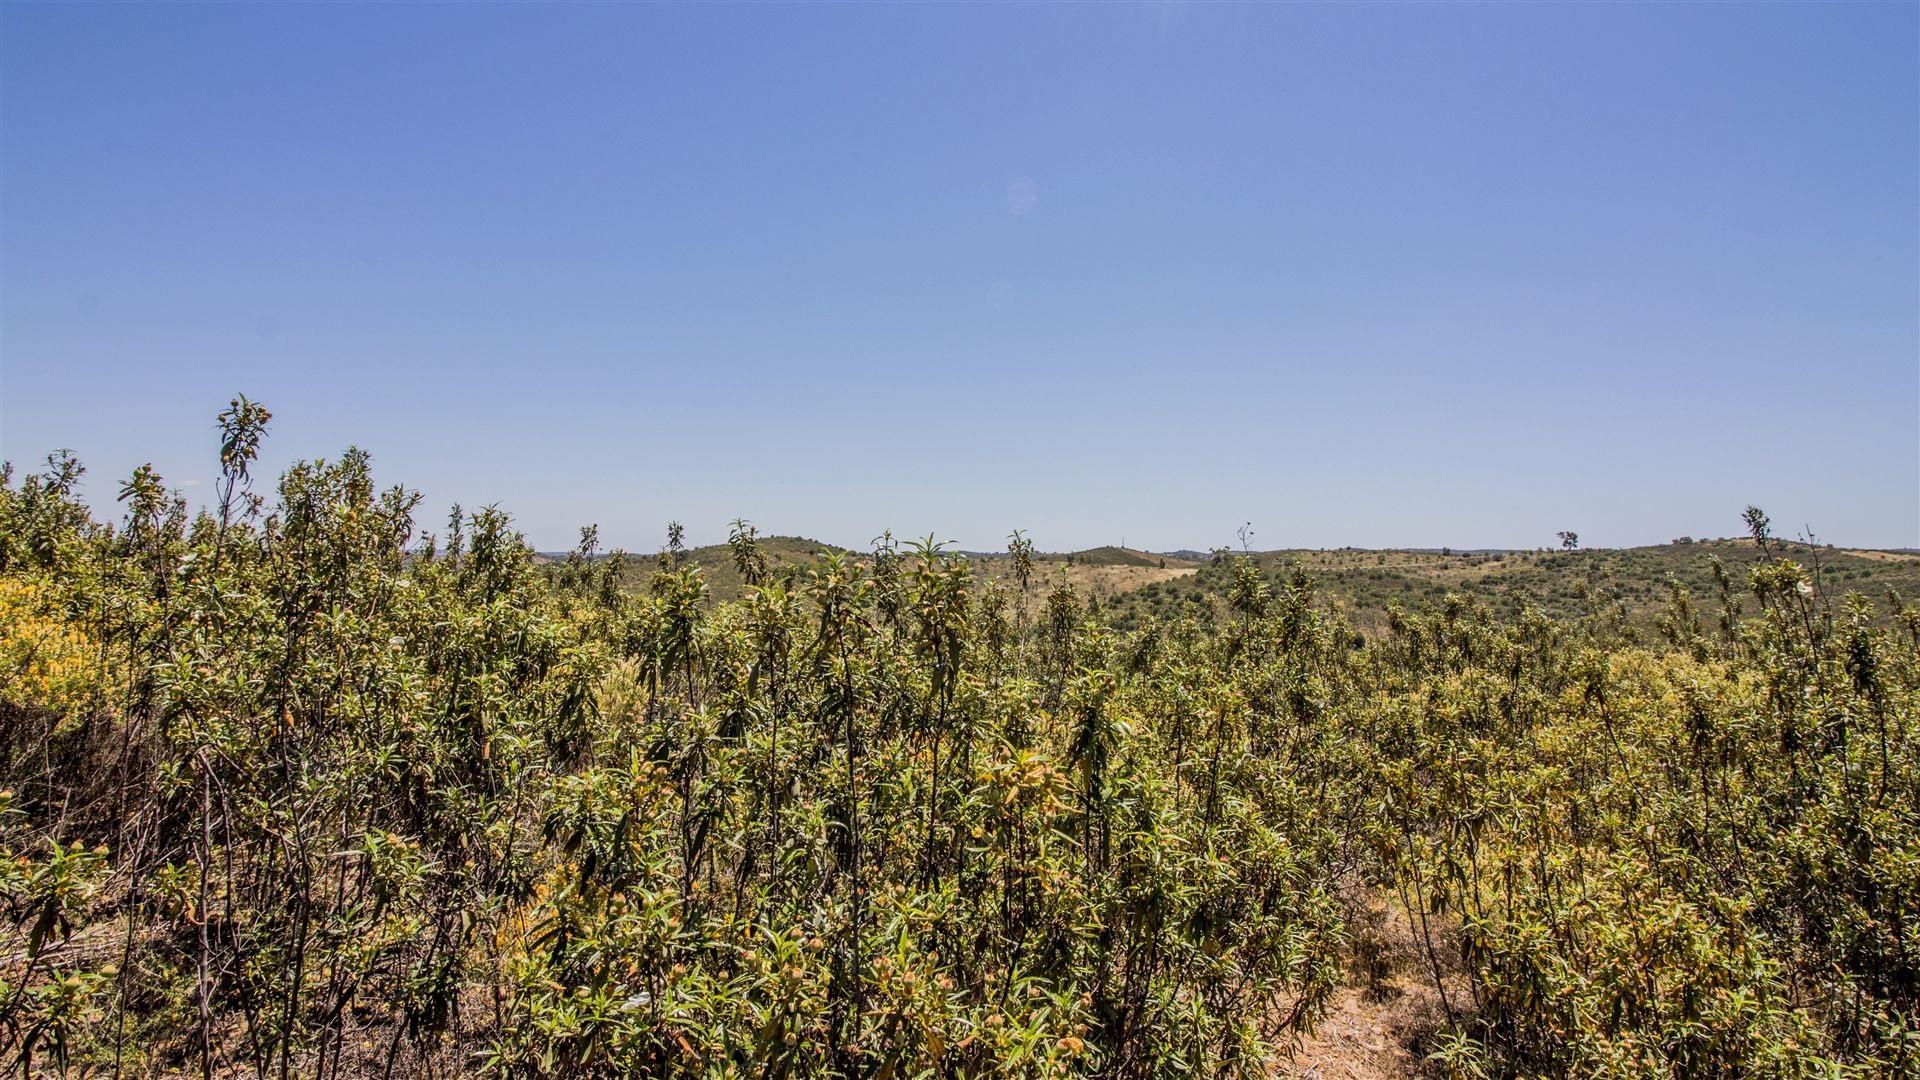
[294,787]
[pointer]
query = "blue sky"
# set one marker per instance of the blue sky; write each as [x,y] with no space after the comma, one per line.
[1395,275]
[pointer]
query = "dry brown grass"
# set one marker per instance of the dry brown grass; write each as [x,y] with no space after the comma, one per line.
[1885,556]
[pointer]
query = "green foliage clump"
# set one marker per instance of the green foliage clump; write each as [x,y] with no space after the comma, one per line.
[290,785]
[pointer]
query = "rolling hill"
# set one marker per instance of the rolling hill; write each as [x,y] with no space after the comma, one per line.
[1361,584]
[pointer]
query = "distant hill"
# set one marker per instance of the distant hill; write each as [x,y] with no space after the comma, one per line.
[723,578]
[1115,556]
[715,562]
[1107,555]
[1361,584]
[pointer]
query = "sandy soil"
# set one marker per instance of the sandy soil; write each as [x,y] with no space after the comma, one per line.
[1369,1034]
[1378,1027]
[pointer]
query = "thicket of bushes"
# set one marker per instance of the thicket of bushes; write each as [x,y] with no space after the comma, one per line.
[295,788]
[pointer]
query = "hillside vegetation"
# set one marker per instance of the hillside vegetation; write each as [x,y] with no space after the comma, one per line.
[1632,585]
[718,568]
[1101,574]
[1115,556]
[294,787]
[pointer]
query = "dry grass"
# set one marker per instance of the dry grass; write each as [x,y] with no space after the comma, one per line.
[1101,582]
[1886,556]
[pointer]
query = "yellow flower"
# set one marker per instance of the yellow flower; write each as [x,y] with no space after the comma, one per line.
[45,661]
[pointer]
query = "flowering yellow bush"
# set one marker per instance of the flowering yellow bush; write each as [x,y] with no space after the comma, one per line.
[46,661]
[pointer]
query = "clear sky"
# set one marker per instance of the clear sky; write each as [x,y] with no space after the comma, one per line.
[1394,275]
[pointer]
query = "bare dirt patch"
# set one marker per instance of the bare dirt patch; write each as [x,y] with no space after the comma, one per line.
[1382,1022]
[1369,1034]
